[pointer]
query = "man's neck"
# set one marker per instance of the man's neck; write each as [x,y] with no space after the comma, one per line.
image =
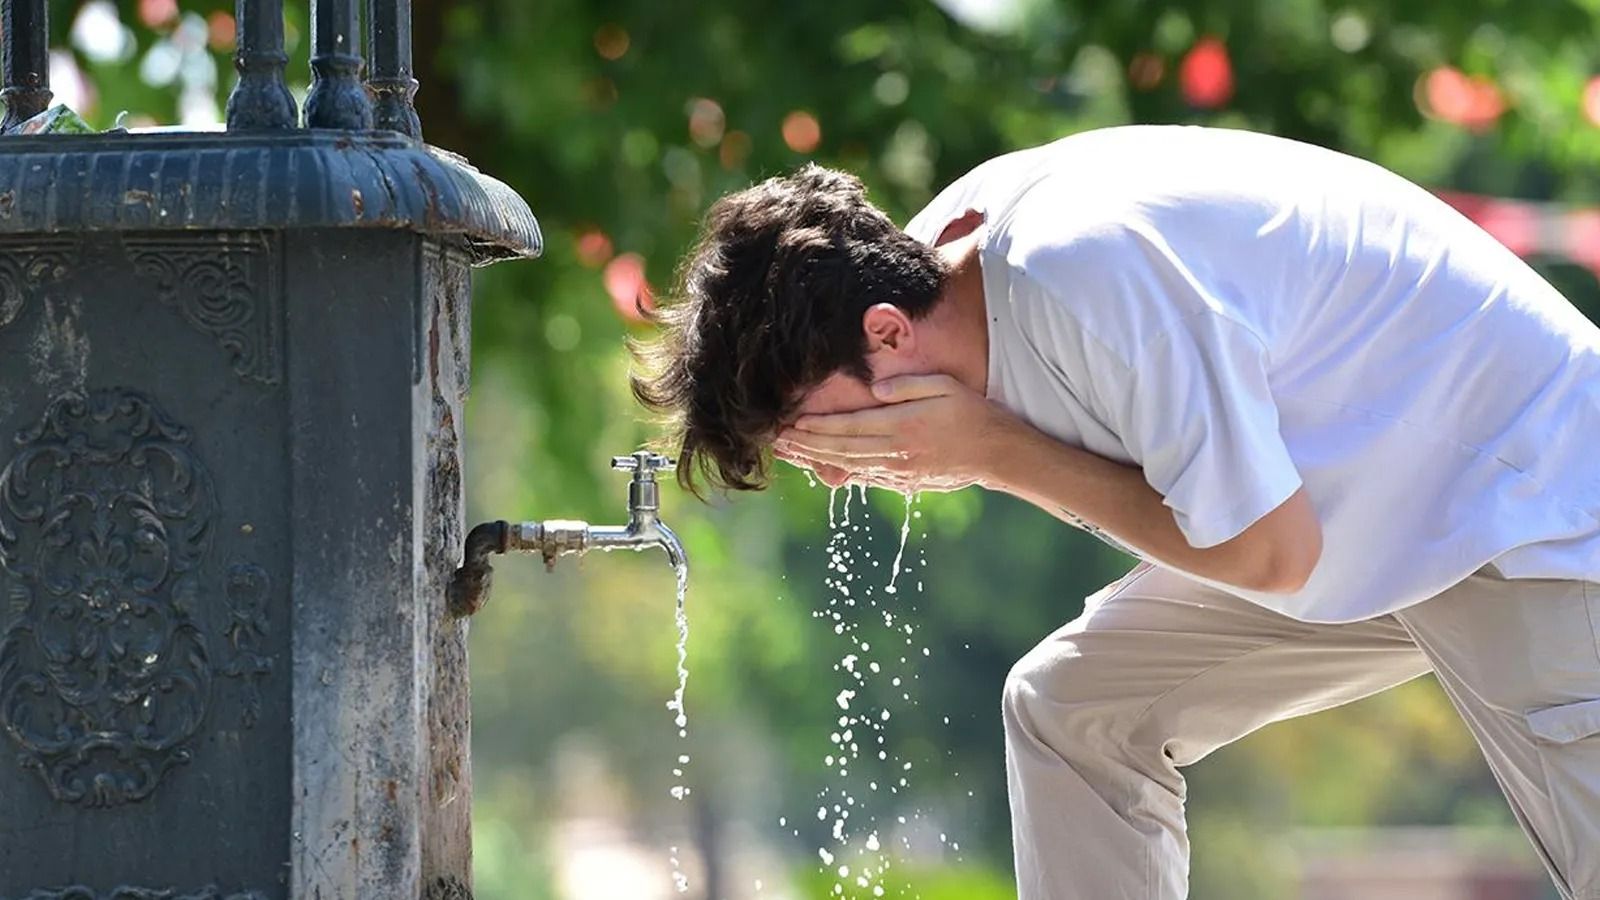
[958,344]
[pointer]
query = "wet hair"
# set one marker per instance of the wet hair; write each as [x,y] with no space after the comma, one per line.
[770,305]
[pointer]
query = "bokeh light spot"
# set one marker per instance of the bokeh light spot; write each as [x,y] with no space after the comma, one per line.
[155,13]
[625,282]
[611,41]
[1591,100]
[801,131]
[1146,70]
[100,35]
[706,122]
[891,88]
[1349,31]
[221,31]
[1448,94]
[563,332]
[593,248]
[1207,74]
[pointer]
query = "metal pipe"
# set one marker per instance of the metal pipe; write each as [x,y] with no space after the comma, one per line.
[391,78]
[469,589]
[337,99]
[24,61]
[260,99]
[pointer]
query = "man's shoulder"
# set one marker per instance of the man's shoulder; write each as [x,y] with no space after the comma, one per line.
[1093,156]
[988,187]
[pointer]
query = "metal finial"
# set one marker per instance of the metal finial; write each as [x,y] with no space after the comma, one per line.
[337,99]
[391,78]
[260,99]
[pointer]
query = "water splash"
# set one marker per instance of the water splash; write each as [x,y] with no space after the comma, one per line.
[905,531]
[679,880]
[868,779]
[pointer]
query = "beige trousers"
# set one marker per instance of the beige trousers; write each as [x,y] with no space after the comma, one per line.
[1159,671]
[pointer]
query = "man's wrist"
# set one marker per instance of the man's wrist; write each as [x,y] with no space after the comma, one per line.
[1014,449]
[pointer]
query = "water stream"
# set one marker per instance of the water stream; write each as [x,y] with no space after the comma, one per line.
[680,791]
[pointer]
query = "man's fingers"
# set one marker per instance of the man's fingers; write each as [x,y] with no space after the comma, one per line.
[881,420]
[839,444]
[902,388]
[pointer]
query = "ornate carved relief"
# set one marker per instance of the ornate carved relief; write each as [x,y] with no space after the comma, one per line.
[227,288]
[247,629]
[24,267]
[79,892]
[105,520]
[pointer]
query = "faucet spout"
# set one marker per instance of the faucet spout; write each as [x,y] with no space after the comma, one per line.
[674,548]
[643,533]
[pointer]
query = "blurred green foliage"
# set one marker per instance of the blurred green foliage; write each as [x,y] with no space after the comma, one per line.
[620,120]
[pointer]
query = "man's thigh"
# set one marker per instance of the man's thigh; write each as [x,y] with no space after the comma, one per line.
[1520,659]
[1166,667]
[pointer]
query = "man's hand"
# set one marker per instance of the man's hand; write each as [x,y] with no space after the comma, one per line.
[933,433]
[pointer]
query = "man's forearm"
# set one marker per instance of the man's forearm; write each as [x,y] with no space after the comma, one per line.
[1071,483]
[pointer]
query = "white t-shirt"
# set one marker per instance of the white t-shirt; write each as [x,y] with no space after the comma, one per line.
[1239,314]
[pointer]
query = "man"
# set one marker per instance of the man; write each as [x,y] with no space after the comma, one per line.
[1352,438]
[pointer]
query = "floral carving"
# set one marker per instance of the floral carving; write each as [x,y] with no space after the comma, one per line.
[23,268]
[105,517]
[226,288]
[247,629]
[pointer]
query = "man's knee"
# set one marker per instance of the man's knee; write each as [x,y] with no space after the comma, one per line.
[1057,696]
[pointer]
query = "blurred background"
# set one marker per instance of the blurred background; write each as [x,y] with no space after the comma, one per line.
[620,121]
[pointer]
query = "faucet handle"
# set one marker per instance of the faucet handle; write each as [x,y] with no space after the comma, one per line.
[644,463]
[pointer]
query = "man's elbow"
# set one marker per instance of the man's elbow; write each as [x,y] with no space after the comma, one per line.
[1286,568]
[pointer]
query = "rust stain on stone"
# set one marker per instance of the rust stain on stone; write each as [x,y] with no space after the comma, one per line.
[433,349]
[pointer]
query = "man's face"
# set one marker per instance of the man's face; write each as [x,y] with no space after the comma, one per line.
[842,392]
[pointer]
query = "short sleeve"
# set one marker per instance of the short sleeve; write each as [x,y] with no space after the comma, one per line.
[1194,410]
[1140,309]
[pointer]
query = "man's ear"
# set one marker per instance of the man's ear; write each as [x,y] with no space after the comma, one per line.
[888,328]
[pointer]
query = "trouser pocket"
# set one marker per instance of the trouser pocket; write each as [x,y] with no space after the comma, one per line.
[1567,739]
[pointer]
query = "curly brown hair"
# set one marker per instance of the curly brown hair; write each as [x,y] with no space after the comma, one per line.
[771,304]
